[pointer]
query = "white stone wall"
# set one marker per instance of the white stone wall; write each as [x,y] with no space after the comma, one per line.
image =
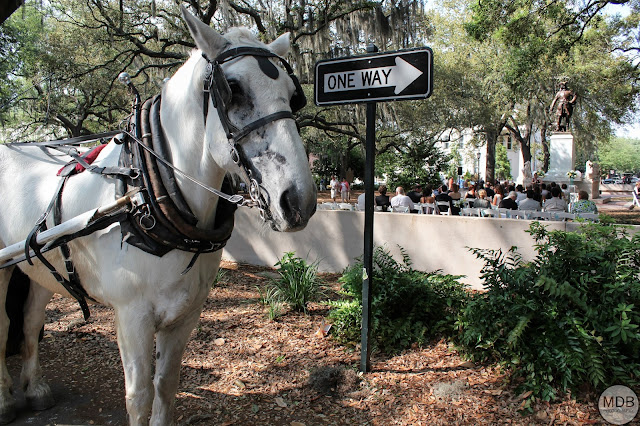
[335,239]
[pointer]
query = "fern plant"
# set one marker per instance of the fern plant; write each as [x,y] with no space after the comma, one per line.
[568,318]
[407,306]
[297,285]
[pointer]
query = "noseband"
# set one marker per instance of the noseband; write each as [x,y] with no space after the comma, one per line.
[216,88]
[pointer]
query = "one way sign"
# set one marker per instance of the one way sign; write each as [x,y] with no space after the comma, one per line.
[391,76]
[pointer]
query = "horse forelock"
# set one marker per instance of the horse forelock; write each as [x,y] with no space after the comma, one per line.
[241,36]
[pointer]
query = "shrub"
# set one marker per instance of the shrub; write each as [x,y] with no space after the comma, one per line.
[297,285]
[407,306]
[568,318]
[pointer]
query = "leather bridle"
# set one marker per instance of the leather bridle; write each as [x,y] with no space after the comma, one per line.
[216,88]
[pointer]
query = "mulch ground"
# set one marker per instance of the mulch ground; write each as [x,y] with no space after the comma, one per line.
[240,368]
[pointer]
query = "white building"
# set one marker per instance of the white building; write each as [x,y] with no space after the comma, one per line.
[472,149]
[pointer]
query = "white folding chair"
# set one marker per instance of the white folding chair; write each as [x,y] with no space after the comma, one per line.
[490,213]
[505,213]
[525,214]
[595,217]
[444,207]
[470,211]
[562,216]
[540,216]
[400,209]
[429,208]
[345,206]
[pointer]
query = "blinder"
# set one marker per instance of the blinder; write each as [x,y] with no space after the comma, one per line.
[217,81]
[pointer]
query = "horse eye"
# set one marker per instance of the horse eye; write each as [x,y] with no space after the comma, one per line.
[236,91]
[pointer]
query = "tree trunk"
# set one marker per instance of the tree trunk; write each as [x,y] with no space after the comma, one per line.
[492,133]
[490,172]
[545,147]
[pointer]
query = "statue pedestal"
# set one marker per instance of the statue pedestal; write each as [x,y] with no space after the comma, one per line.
[562,157]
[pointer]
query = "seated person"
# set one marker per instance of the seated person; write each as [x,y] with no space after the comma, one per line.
[427,198]
[490,191]
[529,203]
[382,200]
[443,196]
[546,193]
[455,192]
[471,193]
[401,200]
[537,194]
[509,202]
[427,195]
[565,192]
[555,203]
[482,201]
[584,204]
[415,194]
[498,195]
[520,193]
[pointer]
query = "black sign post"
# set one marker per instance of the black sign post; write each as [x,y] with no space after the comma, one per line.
[391,76]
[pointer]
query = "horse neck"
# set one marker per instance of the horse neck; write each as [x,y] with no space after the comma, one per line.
[182,119]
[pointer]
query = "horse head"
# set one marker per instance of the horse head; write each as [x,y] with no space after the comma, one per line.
[246,120]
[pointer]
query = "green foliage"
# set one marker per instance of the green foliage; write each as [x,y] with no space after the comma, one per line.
[407,306]
[297,285]
[455,160]
[621,154]
[418,163]
[503,166]
[570,317]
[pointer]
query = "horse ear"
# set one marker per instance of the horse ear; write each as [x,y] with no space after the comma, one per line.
[280,46]
[207,39]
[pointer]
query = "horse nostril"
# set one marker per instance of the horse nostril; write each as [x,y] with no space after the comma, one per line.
[290,206]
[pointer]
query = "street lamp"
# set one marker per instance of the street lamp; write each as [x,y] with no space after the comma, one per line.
[478,169]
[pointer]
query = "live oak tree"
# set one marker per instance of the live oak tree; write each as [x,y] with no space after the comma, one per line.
[543,43]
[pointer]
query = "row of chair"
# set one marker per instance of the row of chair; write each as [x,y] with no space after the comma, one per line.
[336,206]
[442,207]
[527,214]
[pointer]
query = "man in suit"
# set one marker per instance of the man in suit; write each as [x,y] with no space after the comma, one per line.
[509,202]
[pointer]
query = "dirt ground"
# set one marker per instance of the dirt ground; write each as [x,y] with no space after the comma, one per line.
[242,369]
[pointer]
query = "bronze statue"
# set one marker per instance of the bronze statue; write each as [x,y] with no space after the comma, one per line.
[565,99]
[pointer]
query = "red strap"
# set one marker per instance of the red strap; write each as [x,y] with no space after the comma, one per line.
[90,157]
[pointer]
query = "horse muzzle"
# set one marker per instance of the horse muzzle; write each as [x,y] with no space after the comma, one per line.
[296,206]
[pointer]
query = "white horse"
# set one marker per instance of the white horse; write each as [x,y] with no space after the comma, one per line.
[150,297]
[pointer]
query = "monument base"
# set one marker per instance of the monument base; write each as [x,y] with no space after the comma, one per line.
[562,154]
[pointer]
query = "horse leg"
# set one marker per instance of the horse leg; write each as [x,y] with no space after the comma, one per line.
[135,328]
[7,401]
[170,344]
[36,390]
